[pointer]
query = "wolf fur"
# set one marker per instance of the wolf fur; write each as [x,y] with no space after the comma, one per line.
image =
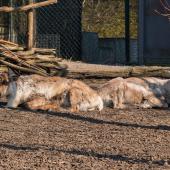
[47,90]
[121,93]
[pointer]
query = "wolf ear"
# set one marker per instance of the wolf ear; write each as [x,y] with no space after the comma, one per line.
[12,75]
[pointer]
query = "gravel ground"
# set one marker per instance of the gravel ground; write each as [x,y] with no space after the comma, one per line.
[112,139]
[131,139]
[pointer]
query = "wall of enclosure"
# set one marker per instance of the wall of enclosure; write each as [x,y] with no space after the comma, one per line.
[154,33]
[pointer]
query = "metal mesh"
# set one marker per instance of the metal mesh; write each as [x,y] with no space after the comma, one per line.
[13,26]
[55,26]
[18,30]
[91,30]
[59,26]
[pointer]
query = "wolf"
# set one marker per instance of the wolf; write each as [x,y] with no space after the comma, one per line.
[121,93]
[3,84]
[160,87]
[38,91]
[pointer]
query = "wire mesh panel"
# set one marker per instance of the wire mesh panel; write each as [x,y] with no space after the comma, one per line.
[18,28]
[92,30]
[55,26]
[4,20]
[60,25]
[13,25]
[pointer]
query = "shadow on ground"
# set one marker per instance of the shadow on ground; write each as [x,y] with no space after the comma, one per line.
[77,152]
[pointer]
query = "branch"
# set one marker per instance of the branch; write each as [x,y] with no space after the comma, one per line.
[28,7]
[165,5]
[162,14]
[166,8]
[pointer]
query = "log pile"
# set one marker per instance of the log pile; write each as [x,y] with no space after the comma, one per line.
[29,63]
[44,62]
[11,45]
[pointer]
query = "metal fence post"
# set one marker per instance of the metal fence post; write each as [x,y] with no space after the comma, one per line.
[127,30]
[141,33]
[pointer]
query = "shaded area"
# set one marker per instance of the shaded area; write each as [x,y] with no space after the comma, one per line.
[82,152]
[98,121]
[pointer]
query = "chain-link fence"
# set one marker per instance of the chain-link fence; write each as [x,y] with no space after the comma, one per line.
[91,30]
[59,26]
[13,26]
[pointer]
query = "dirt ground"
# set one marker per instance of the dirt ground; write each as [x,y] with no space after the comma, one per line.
[131,139]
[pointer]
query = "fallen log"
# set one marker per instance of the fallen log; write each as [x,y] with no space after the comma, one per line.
[82,70]
[27,7]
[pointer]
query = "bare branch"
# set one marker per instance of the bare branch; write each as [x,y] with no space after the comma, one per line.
[166,8]
[165,5]
[162,14]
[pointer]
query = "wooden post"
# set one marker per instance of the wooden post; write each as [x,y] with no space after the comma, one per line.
[30,27]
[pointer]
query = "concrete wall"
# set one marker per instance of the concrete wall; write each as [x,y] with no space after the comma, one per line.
[110,51]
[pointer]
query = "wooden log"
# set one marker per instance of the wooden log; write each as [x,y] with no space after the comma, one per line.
[44,51]
[19,68]
[3,69]
[48,57]
[30,17]
[50,65]
[22,63]
[27,7]
[4,42]
[25,53]
[11,45]
[83,70]
[14,48]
